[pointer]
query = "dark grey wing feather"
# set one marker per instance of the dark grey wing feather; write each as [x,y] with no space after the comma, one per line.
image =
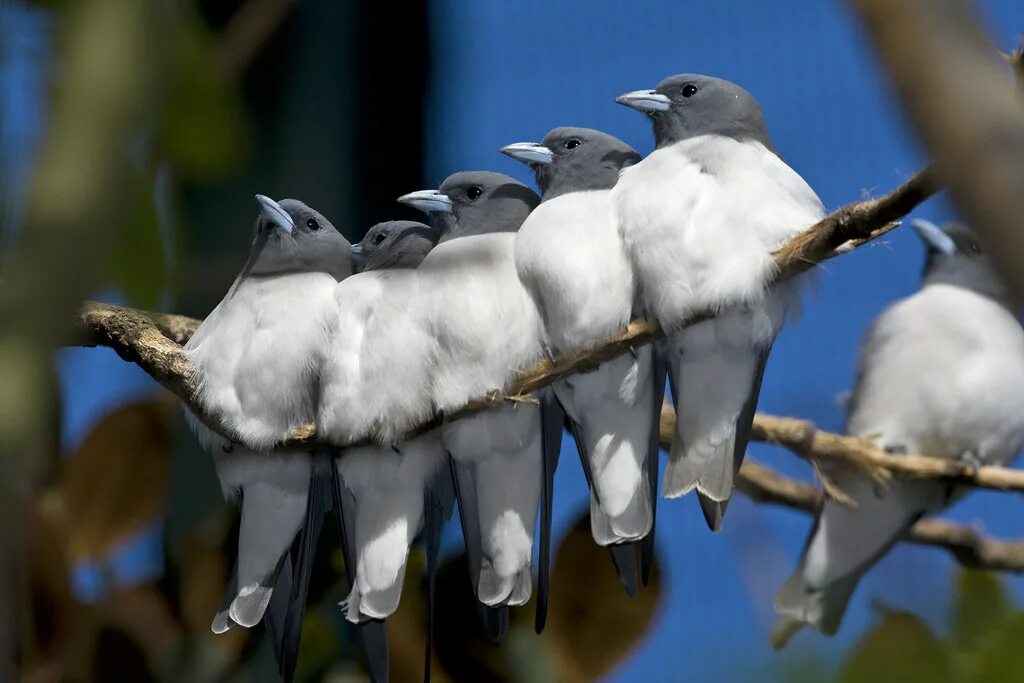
[659,368]
[714,511]
[552,417]
[373,632]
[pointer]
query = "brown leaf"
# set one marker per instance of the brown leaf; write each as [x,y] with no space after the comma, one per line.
[115,486]
[592,623]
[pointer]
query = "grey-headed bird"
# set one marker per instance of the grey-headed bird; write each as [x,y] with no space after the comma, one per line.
[379,379]
[570,257]
[940,373]
[253,360]
[700,218]
[486,327]
[394,244]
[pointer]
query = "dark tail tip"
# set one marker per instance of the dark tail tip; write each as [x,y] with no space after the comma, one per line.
[714,511]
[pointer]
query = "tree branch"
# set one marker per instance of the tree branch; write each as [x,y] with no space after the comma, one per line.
[151,340]
[763,485]
[975,138]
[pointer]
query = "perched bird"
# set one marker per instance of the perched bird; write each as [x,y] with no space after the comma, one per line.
[571,259]
[700,217]
[486,327]
[253,360]
[374,370]
[394,244]
[940,373]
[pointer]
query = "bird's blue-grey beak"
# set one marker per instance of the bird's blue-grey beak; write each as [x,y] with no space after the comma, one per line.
[358,257]
[933,236]
[427,201]
[647,101]
[272,211]
[529,153]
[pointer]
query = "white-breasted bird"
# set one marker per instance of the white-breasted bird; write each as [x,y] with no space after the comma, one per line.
[254,360]
[570,257]
[486,327]
[700,218]
[379,380]
[940,373]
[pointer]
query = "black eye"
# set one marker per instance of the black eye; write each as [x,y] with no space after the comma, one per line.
[474,192]
[572,143]
[313,224]
[689,90]
[975,247]
[379,238]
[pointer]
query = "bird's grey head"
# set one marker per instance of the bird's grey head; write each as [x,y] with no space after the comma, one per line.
[474,203]
[394,244]
[293,238]
[574,160]
[689,105]
[955,257]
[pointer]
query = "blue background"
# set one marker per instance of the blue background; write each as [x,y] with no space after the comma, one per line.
[509,71]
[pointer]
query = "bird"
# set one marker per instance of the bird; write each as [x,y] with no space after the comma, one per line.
[571,259]
[394,244]
[486,327]
[939,373]
[382,493]
[252,360]
[699,218]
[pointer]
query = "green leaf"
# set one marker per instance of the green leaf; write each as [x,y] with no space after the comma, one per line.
[1003,658]
[203,130]
[901,648]
[979,609]
[136,263]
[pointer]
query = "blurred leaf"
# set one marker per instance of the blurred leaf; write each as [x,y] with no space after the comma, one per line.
[136,261]
[115,486]
[203,128]
[980,606]
[901,648]
[319,646]
[1003,659]
[119,658]
[593,625]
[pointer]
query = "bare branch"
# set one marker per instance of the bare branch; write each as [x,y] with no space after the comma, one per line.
[975,138]
[970,548]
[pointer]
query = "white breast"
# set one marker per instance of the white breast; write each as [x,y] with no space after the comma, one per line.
[941,373]
[481,318]
[699,220]
[255,356]
[570,257]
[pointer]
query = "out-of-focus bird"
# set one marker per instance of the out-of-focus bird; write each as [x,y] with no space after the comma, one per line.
[254,360]
[486,327]
[394,244]
[570,257]
[700,217]
[940,373]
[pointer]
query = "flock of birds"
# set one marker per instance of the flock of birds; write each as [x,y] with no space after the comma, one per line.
[438,314]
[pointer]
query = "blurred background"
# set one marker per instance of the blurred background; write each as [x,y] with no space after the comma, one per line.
[189,108]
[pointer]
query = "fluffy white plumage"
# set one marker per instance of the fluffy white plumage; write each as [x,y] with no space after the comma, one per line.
[255,356]
[570,257]
[699,219]
[376,369]
[387,486]
[486,327]
[940,373]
